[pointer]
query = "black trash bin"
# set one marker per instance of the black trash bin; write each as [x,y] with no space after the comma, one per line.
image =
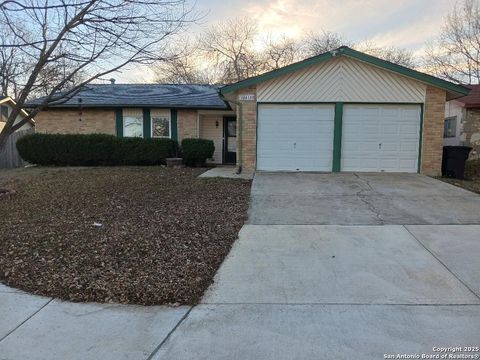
[453,161]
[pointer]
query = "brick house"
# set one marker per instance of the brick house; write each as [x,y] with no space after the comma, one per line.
[462,121]
[339,111]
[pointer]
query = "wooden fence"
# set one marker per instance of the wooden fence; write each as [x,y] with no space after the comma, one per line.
[9,156]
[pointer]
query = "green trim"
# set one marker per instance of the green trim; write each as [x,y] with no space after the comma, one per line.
[337,138]
[458,90]
[147,124]
[240,138]
[173,124]
[420,141]
[119,122]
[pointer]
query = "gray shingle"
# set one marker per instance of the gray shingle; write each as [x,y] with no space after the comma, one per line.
[145,95]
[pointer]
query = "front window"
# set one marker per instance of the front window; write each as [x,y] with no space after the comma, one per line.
[450,127]
[133,126]
[161,127]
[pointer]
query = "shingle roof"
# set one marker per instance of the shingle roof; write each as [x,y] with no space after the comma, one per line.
[472,100]
[191,96]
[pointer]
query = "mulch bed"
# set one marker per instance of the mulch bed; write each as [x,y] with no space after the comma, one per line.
[146,235]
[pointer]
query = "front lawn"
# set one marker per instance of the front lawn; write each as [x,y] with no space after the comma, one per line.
[137,235]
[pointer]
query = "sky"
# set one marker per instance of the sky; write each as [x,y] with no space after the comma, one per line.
[409,24]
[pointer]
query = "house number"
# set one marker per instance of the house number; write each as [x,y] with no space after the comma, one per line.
[246,97]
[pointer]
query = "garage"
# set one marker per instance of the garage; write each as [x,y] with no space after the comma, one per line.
[342,110]
[295,137]
[377,138]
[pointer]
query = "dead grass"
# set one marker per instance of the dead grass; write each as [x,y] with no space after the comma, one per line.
[137,235]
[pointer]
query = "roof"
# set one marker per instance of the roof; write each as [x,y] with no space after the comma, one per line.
[8,99]
[472,100]
[453,90]
[193,96]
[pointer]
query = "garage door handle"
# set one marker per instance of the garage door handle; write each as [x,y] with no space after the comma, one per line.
[294,145]
[380,145]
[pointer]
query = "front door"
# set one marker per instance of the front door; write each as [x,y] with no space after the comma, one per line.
[230,140]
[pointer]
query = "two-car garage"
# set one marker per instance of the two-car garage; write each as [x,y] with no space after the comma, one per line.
[341,111]
[374,137]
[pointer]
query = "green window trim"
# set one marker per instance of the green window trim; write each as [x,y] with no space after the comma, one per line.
[147,124]
[337,137]
[119,122]
[173,123]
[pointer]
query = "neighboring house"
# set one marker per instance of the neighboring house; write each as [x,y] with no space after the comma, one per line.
[462,121]
[339,111]
[6,104]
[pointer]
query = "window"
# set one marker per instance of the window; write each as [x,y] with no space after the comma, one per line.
[161,127]
[133,126]
[450,127]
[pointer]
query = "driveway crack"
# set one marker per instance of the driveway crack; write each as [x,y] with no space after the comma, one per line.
[364,198]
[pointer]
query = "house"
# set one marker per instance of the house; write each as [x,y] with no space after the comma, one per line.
[6,103]
[462,121]
[339,111]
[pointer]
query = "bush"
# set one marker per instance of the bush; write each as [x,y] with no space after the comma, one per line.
[197,151]
[472,169]
[93,150]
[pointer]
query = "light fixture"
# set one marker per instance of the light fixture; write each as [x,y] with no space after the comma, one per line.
[216,123]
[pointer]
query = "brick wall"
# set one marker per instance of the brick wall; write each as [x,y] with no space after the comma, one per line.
[65,121]
[432,142]
[187,124]
[248,111]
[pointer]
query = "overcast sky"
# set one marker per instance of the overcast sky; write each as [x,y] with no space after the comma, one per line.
[408,24]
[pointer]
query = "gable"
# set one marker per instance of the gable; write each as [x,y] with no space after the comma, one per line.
[341,79]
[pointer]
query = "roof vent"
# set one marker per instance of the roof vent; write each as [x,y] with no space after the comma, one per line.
[112,81]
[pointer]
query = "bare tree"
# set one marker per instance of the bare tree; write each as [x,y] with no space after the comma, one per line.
[185,64]
[317,43]
[455,55]
[391,53]
[280,53]
[12,65]
[94,37]
[229,46]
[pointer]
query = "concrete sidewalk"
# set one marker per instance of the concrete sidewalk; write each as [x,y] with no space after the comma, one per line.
[33,327]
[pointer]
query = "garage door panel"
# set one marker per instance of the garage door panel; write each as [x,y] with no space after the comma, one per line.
[295,137]
[380,138]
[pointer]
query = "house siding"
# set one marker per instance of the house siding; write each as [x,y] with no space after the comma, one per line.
[209,130]
[85,121]
[342,80]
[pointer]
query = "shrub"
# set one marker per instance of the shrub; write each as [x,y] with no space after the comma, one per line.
[472,169]
[93,150]
[197,151]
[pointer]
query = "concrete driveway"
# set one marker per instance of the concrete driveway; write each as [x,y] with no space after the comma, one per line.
[359,199]
[330,266]
[342,266]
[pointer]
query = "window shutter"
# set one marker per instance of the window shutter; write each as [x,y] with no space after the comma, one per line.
[119,122]
[147,127]
[173,123]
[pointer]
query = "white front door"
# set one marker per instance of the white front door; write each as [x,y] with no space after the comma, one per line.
[295,137]
[380,138]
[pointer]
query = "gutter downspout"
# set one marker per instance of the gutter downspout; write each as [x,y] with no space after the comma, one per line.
[239,130]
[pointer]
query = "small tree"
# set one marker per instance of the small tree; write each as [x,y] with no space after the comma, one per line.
[71,43]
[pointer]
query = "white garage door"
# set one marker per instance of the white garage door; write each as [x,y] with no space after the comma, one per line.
[295,137]
[380,138]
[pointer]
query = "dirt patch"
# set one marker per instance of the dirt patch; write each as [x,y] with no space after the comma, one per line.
[128,235]
[471,185]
